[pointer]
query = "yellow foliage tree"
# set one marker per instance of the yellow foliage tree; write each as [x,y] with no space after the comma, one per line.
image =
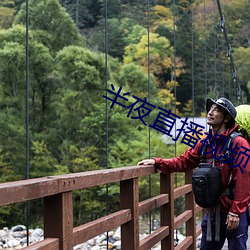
[6,17]
[161,16]
[159,52]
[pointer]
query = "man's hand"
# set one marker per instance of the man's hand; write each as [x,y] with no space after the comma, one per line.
[232,221]
[146,162]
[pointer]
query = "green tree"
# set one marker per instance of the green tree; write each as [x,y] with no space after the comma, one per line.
[13,60]
[84,13]
[12,113]
[124,8]
[237,19]
[78,72]
[242,64]
[161,57]
[117,32]
[136,80]
[6,17]
[13,148]
[53,25]
[42,163]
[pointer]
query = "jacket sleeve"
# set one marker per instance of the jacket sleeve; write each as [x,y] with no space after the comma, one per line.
[241,176]
[185,162]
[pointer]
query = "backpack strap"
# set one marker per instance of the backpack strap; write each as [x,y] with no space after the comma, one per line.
[217,224]
[229,143]
[209,225]
[203,156]
[229,191]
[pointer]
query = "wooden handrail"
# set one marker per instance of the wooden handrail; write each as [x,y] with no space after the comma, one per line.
[58,208]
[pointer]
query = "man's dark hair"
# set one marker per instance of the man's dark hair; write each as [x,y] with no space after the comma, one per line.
[231,122]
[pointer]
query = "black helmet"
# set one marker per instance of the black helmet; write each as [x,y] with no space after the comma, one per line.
[223,103]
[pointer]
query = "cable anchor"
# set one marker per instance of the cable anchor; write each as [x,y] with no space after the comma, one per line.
[229,51]
[222,23]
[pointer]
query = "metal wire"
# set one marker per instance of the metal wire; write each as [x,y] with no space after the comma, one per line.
[27,207]
[175,94]
[205,51]
[174,73]
[107,121]
[215,53]
[229,54]
[149,134]
[192,19]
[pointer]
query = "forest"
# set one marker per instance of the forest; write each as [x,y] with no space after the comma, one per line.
[59,60]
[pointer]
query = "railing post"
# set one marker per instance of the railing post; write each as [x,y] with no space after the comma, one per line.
[190,205]
[129,198]
[167,210]
[58,219]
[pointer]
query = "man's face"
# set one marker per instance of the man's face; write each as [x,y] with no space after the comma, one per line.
[215,116]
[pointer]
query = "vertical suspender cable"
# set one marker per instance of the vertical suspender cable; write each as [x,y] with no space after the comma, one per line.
[27,112]
[229,84]
[235,90]
[222,69]
[223,79]
[149,149]
[27,90]
[149,142]
[77,13]
[205,52]
[222,60]
[174,78]
[215,53]
[106,81]
[192,19]
[174,59]
[175,95]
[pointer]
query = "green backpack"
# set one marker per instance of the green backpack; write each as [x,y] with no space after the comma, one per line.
[243,119]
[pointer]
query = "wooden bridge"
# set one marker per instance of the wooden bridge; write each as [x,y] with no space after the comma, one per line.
[56,192]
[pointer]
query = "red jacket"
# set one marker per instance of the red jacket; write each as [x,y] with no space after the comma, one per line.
[191,158]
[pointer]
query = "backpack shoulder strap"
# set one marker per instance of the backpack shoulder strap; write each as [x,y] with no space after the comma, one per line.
[203,157]
[229,143]
[229,190]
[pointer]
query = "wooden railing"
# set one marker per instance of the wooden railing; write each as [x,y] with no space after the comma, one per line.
[59,232]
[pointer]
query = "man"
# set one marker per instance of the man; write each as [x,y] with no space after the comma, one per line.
[221,115]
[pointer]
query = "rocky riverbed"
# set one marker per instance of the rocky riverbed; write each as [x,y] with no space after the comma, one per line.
[16,238]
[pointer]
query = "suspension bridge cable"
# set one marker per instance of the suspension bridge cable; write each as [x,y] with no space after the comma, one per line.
[174,62]
[215,54]
[192,28]
[221,68]
[205,51]
[175,95]
[229,83]
[149,141]
[27,207]
[223,77]
[229,52]
[107,120]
